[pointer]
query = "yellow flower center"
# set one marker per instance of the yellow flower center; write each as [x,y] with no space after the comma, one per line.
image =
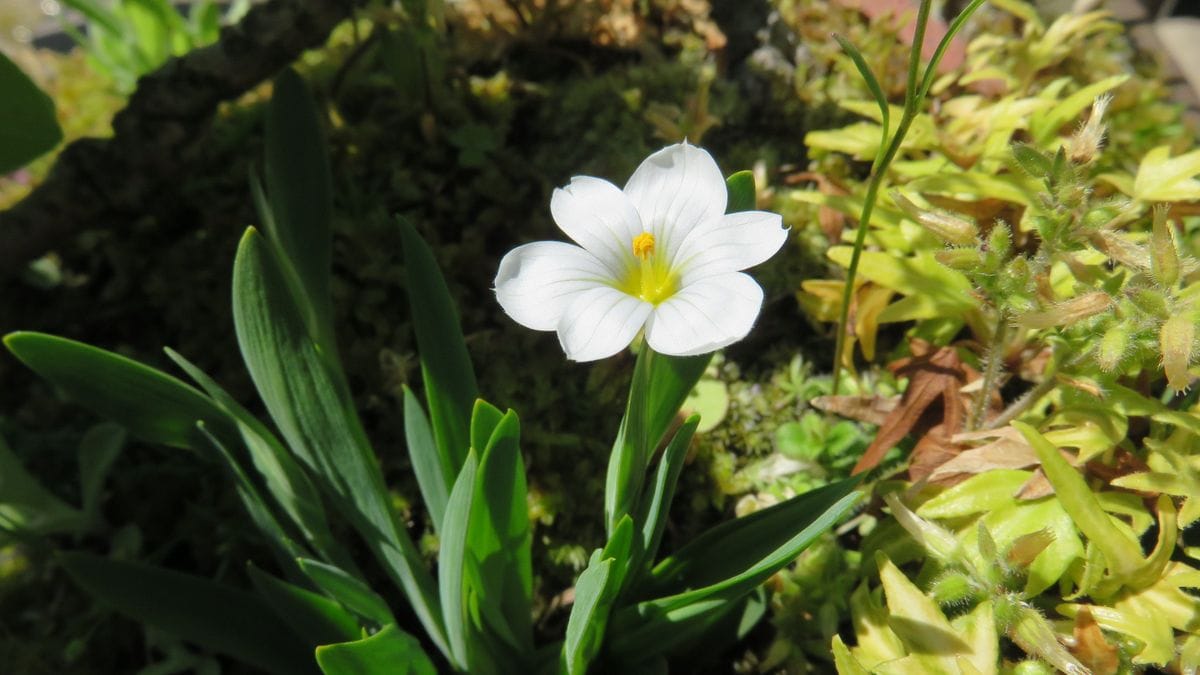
[650,280]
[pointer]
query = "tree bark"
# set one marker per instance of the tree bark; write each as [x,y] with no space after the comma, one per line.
[158,133]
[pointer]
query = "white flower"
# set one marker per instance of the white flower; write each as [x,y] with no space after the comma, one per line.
[661,255]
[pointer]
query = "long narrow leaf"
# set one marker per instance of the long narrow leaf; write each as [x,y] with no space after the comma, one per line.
[432,476]
[348,591]
[500,537]
[315,617]
[718,559]
[313,411]
[300,193]
[213,615]
[151,404]
[653,515]
[450,388]
[452,562]
[284,478]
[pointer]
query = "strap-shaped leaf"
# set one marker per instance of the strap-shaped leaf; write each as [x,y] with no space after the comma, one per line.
[299,192]
[315,617]
[286,481]
[450,388]
[723,565]
[500,537]
[595,591]
[26,506]
[660,385]
[151,404]
[738,545]
[213,615]
[653,515]
[348,591]
[452,562]
[432,475]
[28,126]
[313,411]
[391,651]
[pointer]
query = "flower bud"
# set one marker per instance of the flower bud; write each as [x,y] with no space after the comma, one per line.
[948,227]
[1164,257]
[1151,301]
[1114,345]
[961,258]
[1177,341]
[1000,240]
[953,588]
[1027,547]
[1067,312]
[1087,141]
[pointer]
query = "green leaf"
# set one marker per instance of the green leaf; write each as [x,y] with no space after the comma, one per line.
[28,126]
[747,543]
[26,506]
[1162,178]
[433,477]
[290,487]
[499,537]
[213,615]
[300,194]
[653,514]
[317,618]
[595,591]
[314,412]
[741,192]
[1121,551]
[876,91]
[98,450]
[484,419]
[581,644]
[391,651]
[151,404]
[348,591]
[450,389]
[453,564]
[660,385]
[933,290]
[721,566]
[256,505]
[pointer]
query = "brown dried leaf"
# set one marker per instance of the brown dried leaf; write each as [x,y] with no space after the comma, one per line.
[1036,487]
[1009,450]
[869,409]
[1027,547]
[932,399]
[1091,647]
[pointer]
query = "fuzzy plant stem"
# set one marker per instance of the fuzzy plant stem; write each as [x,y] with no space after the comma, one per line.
[991,370]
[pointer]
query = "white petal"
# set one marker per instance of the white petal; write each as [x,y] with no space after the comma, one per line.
[536,282]
[732,243]
[600,218]
[705,316]
[601,322]
[675,190]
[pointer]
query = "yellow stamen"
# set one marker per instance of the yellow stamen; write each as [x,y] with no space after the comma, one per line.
[650,279]
[643,246]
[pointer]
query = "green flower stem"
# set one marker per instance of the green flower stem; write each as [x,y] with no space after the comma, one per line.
[991,370]
[627,464]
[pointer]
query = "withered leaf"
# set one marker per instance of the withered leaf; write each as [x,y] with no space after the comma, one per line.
[1008,450]
[932,408]
[1091,647]
[869,409]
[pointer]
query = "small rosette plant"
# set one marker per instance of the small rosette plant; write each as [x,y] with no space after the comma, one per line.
[662,256]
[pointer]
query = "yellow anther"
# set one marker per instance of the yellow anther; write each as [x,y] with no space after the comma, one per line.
[643,245]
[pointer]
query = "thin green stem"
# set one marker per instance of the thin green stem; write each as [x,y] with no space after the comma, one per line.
[860,239]
[991,370]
